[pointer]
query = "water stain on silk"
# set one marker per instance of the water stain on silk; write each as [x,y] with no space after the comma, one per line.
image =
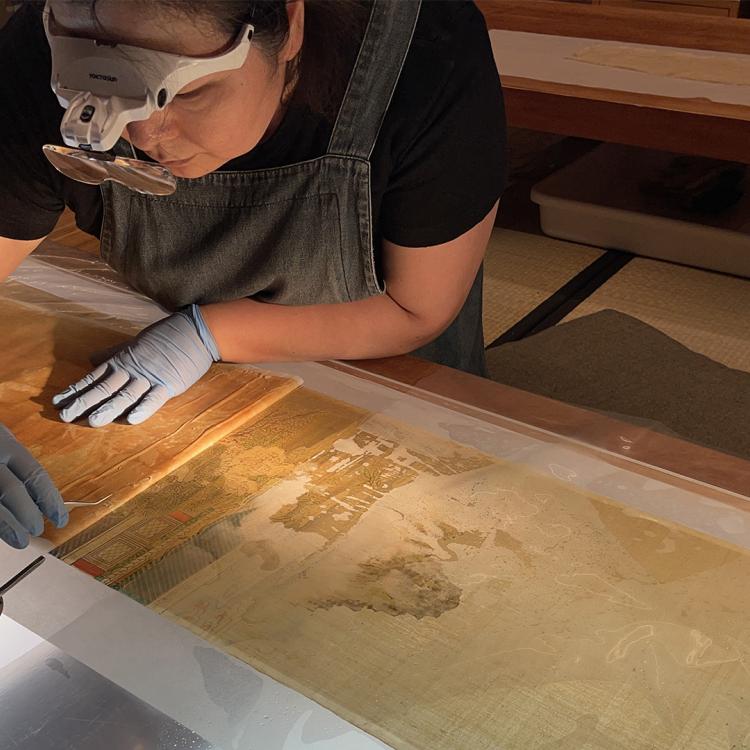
[412,584]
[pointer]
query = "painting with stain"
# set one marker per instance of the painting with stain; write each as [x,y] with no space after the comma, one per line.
[435,596]
[44,352]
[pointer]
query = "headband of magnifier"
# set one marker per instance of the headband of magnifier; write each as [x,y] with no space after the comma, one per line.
[105,86]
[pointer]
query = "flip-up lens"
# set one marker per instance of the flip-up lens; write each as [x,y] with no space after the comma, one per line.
[93,168]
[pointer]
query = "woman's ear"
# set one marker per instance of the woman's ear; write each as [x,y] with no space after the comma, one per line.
[295,10]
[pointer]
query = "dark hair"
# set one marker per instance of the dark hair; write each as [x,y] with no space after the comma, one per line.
[333,32]
[318,76]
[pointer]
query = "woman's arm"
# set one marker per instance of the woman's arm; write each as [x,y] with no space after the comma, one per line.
[12,252]
[426,288]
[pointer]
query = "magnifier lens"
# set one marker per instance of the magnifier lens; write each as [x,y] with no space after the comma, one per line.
[142,176]
[67,161]
[93,168]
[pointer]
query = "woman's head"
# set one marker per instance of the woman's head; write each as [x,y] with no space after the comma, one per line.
[226,114]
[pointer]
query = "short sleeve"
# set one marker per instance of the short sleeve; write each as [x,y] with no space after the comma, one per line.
[451,172]
[30,193]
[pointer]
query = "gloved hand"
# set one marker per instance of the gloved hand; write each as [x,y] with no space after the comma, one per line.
[26,494]
[164,360]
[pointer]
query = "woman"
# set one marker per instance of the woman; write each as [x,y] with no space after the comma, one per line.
[335,199]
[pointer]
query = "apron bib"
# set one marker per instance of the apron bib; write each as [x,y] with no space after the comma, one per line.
[300,234]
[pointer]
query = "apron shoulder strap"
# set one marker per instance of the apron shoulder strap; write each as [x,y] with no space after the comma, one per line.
[373,80]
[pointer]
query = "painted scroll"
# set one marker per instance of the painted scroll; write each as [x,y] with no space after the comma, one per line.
[435,596]
[44,353]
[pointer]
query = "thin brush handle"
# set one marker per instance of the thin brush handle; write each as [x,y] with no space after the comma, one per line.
[20,576]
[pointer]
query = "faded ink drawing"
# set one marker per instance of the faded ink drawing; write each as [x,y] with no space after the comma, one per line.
[435,596]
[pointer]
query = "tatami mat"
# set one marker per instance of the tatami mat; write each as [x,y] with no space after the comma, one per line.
[521,271]
[616,364]
[707,312]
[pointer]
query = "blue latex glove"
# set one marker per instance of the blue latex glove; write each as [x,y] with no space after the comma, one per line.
[164,360]
[26,494]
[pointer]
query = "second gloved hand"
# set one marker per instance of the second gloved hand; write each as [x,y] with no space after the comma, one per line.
[164,360]
[27,494]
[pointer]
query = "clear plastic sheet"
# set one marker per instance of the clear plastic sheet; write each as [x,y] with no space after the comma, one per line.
[162,665]
[79,708]
[177,673]
[69,282]
[371,563]
[521,587]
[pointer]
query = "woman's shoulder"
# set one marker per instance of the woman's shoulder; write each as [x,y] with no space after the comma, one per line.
[31,113]
[25,59]
[450,53]
[440,156]
[447,23]
[24,33]
[450,40]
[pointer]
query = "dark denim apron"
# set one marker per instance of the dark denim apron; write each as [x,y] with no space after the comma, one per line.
[300,234]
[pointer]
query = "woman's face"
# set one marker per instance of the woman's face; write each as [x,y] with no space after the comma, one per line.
[212,120]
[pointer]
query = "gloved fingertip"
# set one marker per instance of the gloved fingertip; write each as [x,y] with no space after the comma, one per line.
[136,417]
[100,418]
[12,539]
[58,398]
[60,519]
[66,415]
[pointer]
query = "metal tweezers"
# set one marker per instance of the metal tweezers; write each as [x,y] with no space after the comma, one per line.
[76,504]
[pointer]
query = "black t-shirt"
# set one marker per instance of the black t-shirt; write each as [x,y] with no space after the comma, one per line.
[437,168]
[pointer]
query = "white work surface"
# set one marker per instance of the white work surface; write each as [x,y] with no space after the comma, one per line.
[223,700]
[545,57]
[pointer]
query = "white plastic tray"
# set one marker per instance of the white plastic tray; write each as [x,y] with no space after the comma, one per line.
[596,201]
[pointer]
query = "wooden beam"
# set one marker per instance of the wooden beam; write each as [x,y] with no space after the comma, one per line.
[695,106]
[634,125]
[618,24]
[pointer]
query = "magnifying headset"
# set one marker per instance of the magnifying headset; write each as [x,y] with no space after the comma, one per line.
[105,86]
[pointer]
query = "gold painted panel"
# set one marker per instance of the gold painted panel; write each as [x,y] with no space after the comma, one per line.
[44,353]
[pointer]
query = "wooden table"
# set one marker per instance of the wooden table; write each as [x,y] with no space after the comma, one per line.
[693,126]
[623,441]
